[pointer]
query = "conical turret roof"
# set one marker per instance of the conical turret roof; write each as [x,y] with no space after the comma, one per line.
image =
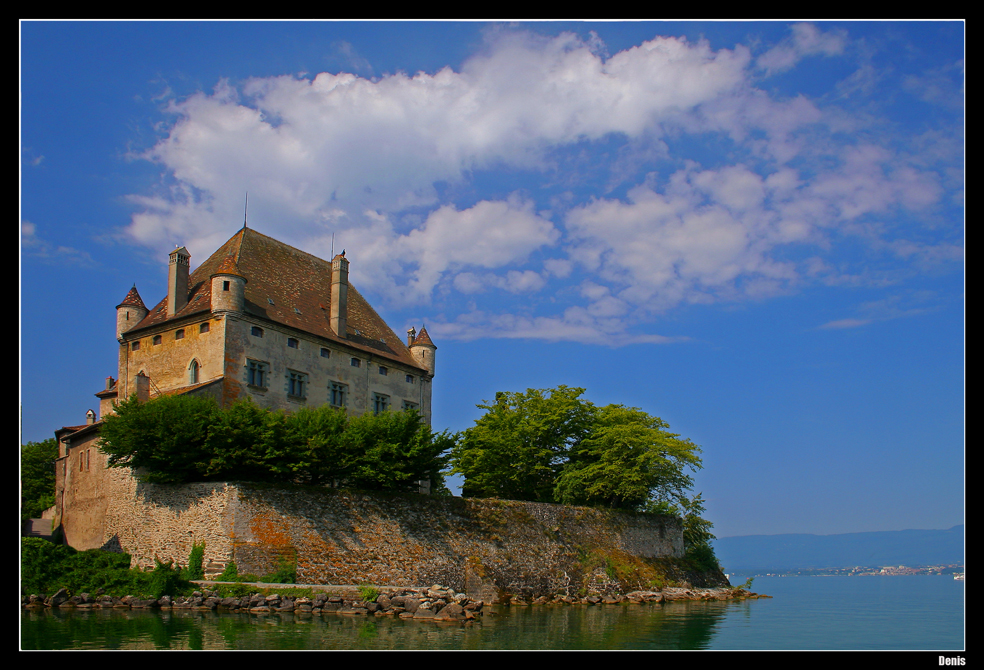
[132,299]
[423,338]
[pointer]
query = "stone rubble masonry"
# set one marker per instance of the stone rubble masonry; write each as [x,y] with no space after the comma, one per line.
[482,547]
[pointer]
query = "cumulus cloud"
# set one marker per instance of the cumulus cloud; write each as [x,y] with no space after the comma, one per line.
[388,166]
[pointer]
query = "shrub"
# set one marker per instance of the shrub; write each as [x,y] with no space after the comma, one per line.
[41,564]
[368,593]
[286,573]
[230,573]
[196,559]
[165,580]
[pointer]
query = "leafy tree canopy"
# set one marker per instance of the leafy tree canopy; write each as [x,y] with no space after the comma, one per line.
[554,446]
[187,438]
[37,477]
[518,448]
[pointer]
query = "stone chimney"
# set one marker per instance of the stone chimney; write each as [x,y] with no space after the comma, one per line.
[141,384]
[177,280]
[339,294]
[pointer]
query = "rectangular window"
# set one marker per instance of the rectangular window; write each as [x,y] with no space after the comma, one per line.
[325,353]
[380,403]
[409,379]
[292,343]
[157,339]
[256,331]
[356,363]
[409,405]
[135,346]
[225,286]
[383,371]
[179,334]
[203,328]
[296,384]
[336,394]
[256,373]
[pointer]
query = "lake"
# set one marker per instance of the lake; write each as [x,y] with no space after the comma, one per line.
[916,612]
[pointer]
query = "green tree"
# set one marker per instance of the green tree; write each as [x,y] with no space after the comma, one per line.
[37,477]
[554,446]
[627,460]
[234,444]
[185,438]
[518,448]
[397,450]
[167,436]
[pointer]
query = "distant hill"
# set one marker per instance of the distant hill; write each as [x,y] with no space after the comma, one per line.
[772,553]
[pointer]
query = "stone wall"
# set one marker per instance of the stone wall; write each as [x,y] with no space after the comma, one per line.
[482,547]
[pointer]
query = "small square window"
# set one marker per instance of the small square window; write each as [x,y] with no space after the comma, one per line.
[256,331]
[356,363]
[135,346]
[179,334]
[203,328]
[325,353]
[409,379]
[383,371]
[157,339]
[292,343]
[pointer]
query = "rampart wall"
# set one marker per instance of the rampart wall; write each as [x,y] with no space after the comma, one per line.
[484,547]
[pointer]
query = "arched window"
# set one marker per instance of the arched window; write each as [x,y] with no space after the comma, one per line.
[193,372]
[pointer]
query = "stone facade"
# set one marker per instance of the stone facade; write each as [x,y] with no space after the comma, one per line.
[483,547]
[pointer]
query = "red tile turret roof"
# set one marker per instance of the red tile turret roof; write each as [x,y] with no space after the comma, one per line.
[132,299]
[423,338]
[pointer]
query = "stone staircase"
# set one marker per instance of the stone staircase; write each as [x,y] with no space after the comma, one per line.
[215,568]
[37,528]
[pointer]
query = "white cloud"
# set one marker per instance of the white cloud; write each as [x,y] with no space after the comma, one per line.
[806,40]
[370,161]
[33,245]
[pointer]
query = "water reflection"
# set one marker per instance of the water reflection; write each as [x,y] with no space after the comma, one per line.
[679,625]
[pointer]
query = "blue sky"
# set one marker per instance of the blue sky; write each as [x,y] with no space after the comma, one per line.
[753,230]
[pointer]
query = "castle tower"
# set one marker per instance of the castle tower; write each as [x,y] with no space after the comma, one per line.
[423,350]
[177,280]
[339,294]
[130,312]
[228,288]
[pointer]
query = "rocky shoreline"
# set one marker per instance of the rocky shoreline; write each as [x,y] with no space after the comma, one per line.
[426,603]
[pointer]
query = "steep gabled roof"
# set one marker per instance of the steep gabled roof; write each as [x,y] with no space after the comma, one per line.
[286,286]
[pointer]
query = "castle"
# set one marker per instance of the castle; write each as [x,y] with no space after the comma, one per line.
[257,319]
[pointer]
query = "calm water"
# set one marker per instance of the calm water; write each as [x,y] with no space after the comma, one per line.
[840,613]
